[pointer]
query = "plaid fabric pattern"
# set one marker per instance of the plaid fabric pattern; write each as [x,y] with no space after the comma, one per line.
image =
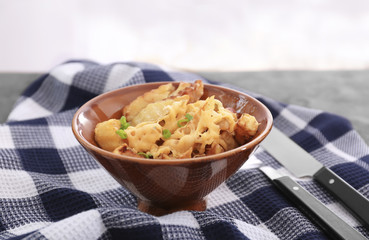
[50,188]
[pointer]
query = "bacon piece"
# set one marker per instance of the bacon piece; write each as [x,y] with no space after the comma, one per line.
[126,150]
[246,128]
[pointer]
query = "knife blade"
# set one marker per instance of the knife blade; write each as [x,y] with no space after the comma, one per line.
[330,223]
[301,163]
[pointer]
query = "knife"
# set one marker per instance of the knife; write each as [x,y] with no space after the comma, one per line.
[301,164]
[312,207]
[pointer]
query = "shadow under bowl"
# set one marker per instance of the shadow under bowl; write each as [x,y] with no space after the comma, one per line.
[165,186]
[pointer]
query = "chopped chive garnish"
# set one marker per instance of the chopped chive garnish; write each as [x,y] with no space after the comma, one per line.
[125,126]
[146,155]
[123,123]
[122,133]
[181,121]
[188,118]
[166,133]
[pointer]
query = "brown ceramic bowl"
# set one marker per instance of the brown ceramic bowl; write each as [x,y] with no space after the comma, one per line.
[164,186]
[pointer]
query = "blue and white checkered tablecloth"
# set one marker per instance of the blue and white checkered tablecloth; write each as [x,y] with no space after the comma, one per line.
[50,188]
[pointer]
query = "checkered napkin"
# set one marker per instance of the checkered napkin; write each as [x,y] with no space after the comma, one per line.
[50,188]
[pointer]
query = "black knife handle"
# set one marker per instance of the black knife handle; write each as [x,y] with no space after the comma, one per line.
[354,201]
[319,213]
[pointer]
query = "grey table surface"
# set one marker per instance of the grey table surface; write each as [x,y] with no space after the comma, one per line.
[341,92]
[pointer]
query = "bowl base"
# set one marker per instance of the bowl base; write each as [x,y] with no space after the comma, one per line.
[150,208]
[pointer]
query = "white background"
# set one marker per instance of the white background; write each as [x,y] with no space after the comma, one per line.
[35,35]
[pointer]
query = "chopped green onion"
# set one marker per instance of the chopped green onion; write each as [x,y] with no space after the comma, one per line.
[166,133]
[146,155]
[123,120]
[123,123]
[122,133]
[181,121]
[125,126]
[188,118]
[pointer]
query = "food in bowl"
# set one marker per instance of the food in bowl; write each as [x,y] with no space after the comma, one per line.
[175,123]
[164,186]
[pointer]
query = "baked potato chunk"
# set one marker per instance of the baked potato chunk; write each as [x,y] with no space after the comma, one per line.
[162,92]
[106,136]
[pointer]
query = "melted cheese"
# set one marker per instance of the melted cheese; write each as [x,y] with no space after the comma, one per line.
[211,130]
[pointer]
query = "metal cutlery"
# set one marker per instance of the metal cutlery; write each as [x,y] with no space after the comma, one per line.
[301,164]
[312,207]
